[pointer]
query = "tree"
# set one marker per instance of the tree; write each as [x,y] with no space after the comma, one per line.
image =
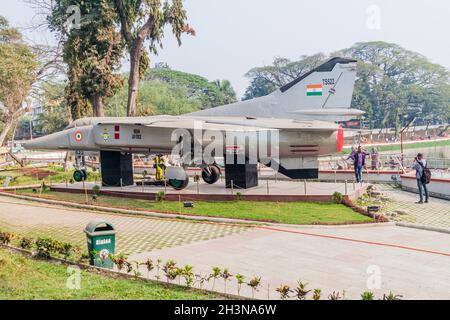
[155,97]
[142,20]
[56,113]
[259,87]
[211,94]
[284,71]
[159,98]
[18,71]
[226,90]
[394,84]
[92,52]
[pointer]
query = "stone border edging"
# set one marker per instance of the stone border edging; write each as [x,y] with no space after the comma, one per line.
[422,227]
[240,222]
[207,197]
[113,274]
[132,212]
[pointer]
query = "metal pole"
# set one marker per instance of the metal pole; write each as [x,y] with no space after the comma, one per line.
[401,145]
[346,189]
[85,192]
[121,184]
[31,126]
[267,187]
[304,186]
[232,186]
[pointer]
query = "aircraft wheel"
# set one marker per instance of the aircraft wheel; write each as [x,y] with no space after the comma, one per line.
[79,175]
[211,174]
[178,184]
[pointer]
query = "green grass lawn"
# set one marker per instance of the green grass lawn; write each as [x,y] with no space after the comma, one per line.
[415,145]
[25,278]
[281,212]
[20,179]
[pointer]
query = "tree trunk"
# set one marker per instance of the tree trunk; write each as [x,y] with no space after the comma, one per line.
[135,57]
[8,125]
[133,81]
[97,103]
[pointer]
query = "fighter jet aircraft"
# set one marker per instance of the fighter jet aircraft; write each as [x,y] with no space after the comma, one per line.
[284,130]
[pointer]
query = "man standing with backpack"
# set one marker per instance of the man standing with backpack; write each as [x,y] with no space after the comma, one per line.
[423,176]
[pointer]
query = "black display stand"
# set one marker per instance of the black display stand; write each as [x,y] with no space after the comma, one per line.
[244,175]
[116,168]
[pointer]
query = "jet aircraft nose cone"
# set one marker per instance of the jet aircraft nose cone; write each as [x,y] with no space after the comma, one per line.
[52,141]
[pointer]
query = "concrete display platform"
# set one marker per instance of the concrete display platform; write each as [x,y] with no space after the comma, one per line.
[282,191]
[326,175]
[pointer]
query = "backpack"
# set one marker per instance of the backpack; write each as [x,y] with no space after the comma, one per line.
[426,175]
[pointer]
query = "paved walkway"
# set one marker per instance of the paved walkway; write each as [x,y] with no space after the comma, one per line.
[330,258]
[136,234]
[436,213]
[329,263]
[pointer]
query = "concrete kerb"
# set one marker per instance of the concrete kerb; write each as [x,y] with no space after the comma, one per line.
[131,212]
[241,222]
[118,274]
[422,227]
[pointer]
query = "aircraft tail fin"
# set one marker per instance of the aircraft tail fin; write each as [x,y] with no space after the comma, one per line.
[324,93]
[329,86]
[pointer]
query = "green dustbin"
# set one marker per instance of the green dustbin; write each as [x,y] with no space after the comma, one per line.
[101,242]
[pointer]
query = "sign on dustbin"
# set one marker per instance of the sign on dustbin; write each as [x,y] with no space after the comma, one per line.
[101,242]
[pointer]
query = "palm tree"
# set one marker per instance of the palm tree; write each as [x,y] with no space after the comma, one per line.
[225,88]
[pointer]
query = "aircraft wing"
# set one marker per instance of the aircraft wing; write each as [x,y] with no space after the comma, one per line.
[191,124]
[229,123]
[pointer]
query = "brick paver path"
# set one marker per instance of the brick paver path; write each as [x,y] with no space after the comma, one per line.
[135,234]
[436,213]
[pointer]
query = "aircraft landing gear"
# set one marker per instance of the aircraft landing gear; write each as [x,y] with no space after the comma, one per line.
[176,177]
[80,175]
[179,184]
[211,174]
[80,162]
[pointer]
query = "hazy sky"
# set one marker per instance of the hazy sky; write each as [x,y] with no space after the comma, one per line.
[235,35]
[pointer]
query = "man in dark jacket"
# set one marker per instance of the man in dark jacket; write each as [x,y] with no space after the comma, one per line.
[419,165]
[359,161]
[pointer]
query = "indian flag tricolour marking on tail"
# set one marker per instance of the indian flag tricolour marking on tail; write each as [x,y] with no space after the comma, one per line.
[314,90]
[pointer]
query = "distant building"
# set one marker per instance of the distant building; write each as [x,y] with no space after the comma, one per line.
[36,110]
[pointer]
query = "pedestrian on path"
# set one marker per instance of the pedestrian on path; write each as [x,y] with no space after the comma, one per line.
[374,158]
[420,165]
[359,161]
